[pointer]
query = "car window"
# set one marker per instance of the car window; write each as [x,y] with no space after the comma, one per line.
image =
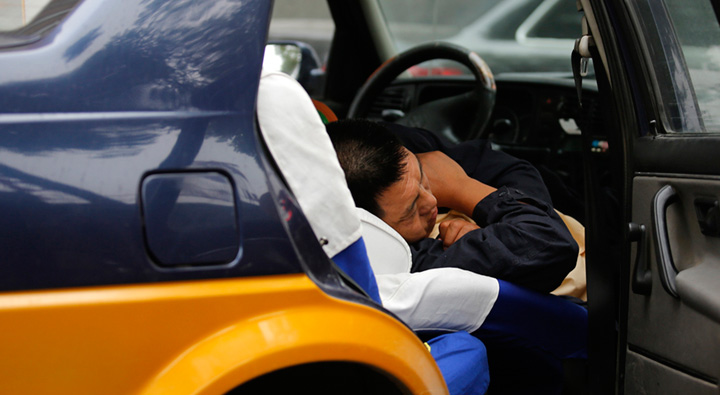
[552,20]
[699,33]
[684,51]
[26,21]
[308,21]
[510,35]
[15,14]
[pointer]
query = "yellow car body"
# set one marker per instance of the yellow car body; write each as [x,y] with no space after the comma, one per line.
[198,337]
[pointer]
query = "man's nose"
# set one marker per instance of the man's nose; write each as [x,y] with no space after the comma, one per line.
[427,201]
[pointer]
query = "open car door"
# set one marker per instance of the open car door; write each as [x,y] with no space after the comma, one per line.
[654,187]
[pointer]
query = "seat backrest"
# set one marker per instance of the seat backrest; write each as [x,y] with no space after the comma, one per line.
[297,140]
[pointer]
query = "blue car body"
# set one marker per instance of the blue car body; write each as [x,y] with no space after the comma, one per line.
[113,115]
[130,164]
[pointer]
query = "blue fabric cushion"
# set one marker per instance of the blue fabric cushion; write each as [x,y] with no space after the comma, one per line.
[462,359]
[533,319]
[355,263]
[528,335]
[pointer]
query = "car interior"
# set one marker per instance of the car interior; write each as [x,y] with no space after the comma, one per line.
[533,116]
[621,144]
[530,116]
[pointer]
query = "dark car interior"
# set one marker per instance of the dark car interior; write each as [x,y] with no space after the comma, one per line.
[641,136]
[536,117]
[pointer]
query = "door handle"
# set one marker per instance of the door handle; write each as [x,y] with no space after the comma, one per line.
[666,268]
[642,276]
[708,215]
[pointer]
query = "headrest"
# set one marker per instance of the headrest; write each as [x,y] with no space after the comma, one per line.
[389,253]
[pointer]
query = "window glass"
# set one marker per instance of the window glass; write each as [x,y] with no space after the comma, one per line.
[308,21]
[511,36]
[698,32]
[416,21]
[15,14]
[557,20]
[683,43]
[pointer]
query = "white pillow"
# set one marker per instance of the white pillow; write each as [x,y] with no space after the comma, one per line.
[389,253]
[448,299]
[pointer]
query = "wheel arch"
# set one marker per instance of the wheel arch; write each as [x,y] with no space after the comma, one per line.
[340,337]
[323,378]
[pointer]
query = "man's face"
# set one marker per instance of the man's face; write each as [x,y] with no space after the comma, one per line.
[409,206]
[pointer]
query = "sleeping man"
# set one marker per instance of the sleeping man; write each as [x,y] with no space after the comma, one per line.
[522,326]
[501,232]
[515,236]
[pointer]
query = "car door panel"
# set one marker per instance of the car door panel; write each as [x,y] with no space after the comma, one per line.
[647,376]
[698,289]
[681,334]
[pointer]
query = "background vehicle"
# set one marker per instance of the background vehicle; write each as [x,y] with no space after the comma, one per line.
[148,244]
[648,120]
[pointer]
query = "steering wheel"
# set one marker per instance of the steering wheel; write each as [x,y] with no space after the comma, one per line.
[461,117]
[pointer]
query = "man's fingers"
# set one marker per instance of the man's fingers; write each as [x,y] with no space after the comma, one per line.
[451,234]
[452,230]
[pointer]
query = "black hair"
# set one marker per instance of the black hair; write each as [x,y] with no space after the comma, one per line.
[372,158]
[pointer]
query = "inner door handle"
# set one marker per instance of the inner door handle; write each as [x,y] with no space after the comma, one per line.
[642,277]
[666,268]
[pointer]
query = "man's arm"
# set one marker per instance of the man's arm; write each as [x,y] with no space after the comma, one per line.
[450,184]
[478,160]
[521,240]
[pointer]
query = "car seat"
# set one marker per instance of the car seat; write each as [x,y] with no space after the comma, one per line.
[296,138]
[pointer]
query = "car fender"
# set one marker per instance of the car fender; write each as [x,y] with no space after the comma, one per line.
[326,330]
[200,337]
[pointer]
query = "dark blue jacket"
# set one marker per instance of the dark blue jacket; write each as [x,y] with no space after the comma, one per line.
[522,239]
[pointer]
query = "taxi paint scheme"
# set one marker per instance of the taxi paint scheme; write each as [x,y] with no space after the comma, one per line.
[202,337]
[147,243]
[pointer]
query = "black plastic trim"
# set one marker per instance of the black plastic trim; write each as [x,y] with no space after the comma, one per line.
[642,276]
[678,154]
[672,365]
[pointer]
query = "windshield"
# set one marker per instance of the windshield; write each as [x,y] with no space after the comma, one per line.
[510,35]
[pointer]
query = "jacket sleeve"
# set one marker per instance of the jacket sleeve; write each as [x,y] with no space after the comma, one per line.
[479,161]
[522,240]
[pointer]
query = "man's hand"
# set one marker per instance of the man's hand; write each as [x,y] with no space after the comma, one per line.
[453,229]
[449,183]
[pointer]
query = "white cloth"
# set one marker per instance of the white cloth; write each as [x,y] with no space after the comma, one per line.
[448,298]
[390,253]
[298,142]
[436,299]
